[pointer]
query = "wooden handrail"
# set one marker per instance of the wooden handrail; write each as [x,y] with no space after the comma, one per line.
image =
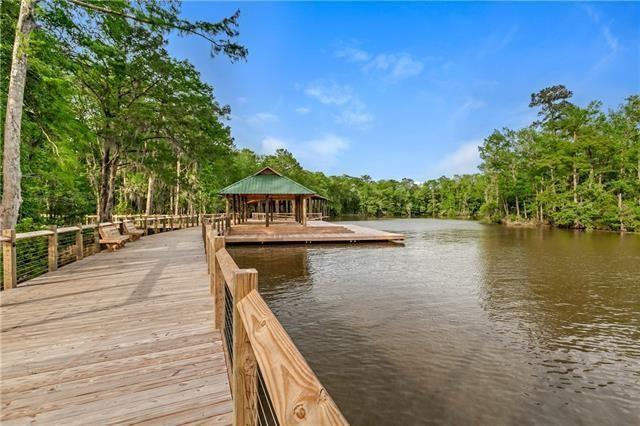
[227,266]
[68,229]
[252,336]
[32,234]
[10,237]
[295,391]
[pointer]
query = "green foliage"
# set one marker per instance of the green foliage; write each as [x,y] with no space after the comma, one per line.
[577,167]
[109,113]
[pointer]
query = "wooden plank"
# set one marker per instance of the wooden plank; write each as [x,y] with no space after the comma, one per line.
[32,234]
[144,349]
[313,231]
[10,278]
[244,378]
[53,248]
[218,283]
[295,391]
[227,266]
[79,243]
[66,229]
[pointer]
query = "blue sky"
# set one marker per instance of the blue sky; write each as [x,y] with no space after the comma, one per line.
[398,90]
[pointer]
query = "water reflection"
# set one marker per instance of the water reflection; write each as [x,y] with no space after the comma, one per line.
[466,323]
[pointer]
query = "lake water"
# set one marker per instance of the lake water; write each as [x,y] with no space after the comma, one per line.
[466,323]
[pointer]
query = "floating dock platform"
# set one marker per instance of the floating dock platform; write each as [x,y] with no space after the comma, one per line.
[317,231]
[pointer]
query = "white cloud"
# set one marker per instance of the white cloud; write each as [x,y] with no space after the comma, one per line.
[262,117]
[352,111]
[330,94]
[609,38]
[469,104]
[464,160]
[328,146]
[497,41]
[353,55]
[392,66]
[315,153]
[395,67]
[472,103]
[270,145]
[354,118]
[303,110]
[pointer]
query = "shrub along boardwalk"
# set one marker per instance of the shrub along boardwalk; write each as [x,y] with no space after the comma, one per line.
[124,337]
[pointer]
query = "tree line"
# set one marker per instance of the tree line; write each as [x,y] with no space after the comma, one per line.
[113,124]
[95,105]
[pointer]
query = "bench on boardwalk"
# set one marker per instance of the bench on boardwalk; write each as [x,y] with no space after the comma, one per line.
[111,237]
[131,230]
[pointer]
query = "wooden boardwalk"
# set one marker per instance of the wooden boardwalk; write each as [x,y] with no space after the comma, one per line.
[123,337]
[317,231]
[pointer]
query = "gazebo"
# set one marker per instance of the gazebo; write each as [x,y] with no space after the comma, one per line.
[271,196]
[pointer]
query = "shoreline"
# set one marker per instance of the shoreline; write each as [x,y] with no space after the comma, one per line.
[503,222]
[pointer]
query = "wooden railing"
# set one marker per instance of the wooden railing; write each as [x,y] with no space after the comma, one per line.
[220,222]
[288,216]
[316,216]
[271,383]
[159,220]
[27,255]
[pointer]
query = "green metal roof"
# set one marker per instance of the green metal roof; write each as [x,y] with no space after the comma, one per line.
[266,181]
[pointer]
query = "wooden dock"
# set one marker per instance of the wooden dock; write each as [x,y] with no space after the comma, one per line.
[317,231]
[125,337]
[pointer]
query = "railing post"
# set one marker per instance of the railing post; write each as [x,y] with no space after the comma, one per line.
[206,239]
[244,377]
[79,243]
[155,225]
[170,223]
[96,239]
[10,279]
[53,248]
[217,284]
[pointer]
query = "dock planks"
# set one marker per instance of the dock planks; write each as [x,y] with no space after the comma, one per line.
[317,231]
[124,337]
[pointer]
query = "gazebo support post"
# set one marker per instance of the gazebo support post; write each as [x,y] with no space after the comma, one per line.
[304,211]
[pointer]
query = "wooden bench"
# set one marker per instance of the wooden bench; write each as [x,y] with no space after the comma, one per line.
[111,237]
[131,230]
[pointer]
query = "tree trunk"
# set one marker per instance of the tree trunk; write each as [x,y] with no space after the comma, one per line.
[12,198]
[517,206]
[177,196]
[575,184]
[113,173]
[622,227]
[105,171]
[108,172]
[149,195]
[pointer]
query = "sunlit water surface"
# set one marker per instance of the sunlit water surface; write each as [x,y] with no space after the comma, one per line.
[466,323]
